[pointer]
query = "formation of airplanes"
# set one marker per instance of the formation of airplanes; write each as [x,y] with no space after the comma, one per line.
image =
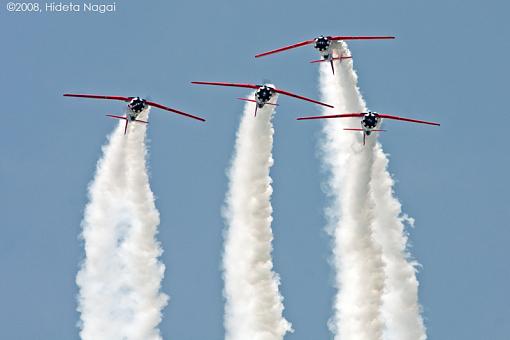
[327,47]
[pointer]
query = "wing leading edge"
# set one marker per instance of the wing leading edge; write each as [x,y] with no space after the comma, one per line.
[290,94]
[94,96]
[249,86]
[345,115]
[163,107]
[407,119]
[361,38]
[285,48]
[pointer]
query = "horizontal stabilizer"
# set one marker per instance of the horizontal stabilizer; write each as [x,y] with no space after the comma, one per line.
[347,129]
[121,117]
[248,100]
[254,101]
[117,117]
[318,61]
[324,60]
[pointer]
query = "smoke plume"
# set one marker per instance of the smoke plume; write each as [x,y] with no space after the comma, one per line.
[121,275]
[254,305]
[377,287]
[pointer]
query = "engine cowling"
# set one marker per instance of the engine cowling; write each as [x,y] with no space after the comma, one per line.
[137,104]
[264,94]
[370,121]
[322,43]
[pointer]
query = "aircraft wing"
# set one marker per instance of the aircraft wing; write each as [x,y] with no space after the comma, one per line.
[159,106]
[125,99]
[360,38]
[249,86]
[301,97]
[344,115]
[285,48]
[307,42]
[381,115]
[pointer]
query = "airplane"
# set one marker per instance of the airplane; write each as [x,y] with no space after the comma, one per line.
[369,121]
[263,93]
[325,46]
[136,106]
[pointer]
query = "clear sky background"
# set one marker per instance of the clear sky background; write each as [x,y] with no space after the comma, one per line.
[449,64]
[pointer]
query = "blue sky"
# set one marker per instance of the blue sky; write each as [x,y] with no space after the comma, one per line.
[449,64]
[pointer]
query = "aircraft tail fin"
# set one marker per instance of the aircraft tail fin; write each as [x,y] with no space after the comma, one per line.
[331,61]
[364,133]
[256,106]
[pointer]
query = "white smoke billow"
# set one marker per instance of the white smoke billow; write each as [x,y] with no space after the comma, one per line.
[356,257]
[401,310]
[254,306]
[377,294]
[121,275]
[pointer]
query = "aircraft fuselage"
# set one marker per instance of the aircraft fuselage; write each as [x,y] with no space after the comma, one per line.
[136,106]
[369,122]
[263,95]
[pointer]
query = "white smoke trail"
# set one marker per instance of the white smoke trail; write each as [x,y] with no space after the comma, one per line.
[121,275]
[401,310]
[378,289]
[254,305]
[356,257]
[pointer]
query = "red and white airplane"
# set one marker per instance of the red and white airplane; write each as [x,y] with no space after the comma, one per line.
[136,105]
[263,93]
[369,121]
[325,46]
